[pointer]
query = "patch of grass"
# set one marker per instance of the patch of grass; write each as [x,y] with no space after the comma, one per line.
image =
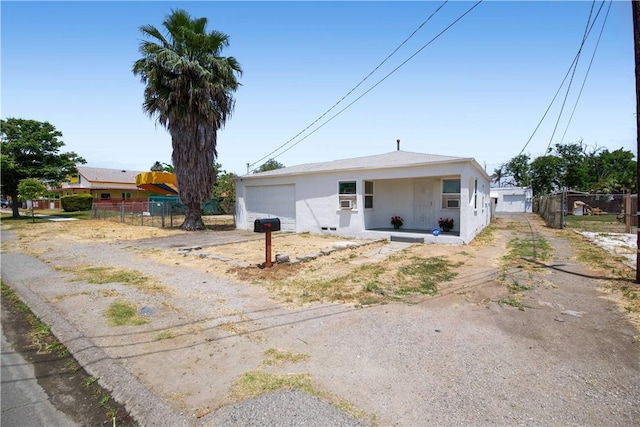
[255,383]
[122,312]
[105,399]
[595,257]
[40,333]
[515,287]
[513,302]
[596,223]
[165,335]
[372,286]
[535,247]
[104,275]
[233,328]
[487,235]
[278,357]
[423,275]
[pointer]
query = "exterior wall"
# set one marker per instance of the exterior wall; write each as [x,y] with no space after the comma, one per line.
[317,200]
[513,199]
[475,203]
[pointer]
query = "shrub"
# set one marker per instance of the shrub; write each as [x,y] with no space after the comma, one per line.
[76,202]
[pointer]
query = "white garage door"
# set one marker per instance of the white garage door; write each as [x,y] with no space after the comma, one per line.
[272,201]
[513,203]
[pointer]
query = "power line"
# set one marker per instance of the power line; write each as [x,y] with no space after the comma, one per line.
[355,87]
[374,86]
[584,81]
[575,60]
[566,95]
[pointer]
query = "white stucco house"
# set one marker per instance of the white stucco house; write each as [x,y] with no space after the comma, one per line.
[357,197]
[512,199]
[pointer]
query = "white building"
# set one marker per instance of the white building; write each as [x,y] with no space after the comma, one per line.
[512,199]
[357,197]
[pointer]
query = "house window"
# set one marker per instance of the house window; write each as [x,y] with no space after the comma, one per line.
[105,196]
[368,195]
[126,196]
[451,193]
[346,195]
[475,194]
[347,187]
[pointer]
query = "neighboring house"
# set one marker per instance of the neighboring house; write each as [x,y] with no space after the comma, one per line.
[512,199]
[357,197]
[105,185]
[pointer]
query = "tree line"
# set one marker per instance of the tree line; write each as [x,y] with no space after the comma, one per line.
[572,166]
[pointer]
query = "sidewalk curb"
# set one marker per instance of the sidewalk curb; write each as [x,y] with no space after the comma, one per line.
[144,405]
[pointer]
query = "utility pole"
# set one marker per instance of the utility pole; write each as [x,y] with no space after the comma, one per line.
[635,12]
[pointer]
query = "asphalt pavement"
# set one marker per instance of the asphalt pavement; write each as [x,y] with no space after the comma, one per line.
[24,402]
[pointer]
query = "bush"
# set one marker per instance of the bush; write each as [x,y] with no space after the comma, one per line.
[76,202]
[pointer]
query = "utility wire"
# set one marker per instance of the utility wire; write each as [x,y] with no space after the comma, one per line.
[575,68]
[575,60]
[379,81]
[595,49]
[355,87]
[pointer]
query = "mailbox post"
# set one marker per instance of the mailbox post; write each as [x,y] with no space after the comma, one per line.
[267,225]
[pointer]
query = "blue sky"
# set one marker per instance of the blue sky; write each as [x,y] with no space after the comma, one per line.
[479,90]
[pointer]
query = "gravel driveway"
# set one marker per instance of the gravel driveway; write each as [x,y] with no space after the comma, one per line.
[569,358]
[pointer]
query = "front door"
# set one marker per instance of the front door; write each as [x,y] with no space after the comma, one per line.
[423,204]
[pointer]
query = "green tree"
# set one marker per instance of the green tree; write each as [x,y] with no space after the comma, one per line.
[574,174]
[224,189]
[189,89]
[31,189]
[162,167]
[619,172]
[157,167]
[546,172]
[518,169]
[31,149]
[269,165]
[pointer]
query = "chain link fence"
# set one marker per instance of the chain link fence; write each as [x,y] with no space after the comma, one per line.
[554,209]
[152,214]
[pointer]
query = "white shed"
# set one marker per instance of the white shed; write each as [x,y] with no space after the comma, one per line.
[357,197]
[512,199]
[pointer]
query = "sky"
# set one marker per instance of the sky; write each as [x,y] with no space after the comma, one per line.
[479,89]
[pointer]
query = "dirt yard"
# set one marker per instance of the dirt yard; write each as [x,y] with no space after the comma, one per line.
[526,325]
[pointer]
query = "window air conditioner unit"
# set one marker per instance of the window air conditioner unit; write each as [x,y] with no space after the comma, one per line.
[453,203]
[346,204]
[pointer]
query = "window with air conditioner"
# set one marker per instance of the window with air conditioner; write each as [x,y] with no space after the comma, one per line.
[346,204]
[451,193]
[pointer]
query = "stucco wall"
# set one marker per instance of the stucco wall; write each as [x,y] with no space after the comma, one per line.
[317,206]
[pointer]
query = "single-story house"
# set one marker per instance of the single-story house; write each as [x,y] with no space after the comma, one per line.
[105,185]
[358,197]
[512,199]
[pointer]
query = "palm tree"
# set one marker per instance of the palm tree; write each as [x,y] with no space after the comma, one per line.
[189,89]
[157,167]
[498,174]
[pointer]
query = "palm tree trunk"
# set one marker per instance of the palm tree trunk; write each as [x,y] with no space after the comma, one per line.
[193,219]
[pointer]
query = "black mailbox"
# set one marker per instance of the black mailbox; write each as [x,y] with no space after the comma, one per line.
[266,224]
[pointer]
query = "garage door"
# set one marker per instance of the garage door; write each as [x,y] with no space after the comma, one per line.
[271,201]
[513,203]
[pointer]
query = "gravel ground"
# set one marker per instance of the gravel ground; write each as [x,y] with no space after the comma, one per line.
[567,357]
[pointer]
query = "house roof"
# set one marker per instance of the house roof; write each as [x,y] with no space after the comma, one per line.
[394,159]
[101,175]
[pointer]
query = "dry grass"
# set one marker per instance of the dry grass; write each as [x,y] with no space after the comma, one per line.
[343,276]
